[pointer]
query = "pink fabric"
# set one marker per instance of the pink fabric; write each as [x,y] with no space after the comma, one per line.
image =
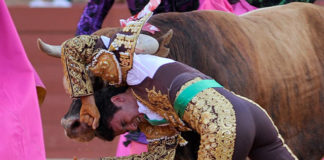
[150,28]
[21,134]
[223,5]
[149,7]
[132,148]
[242,7]
[220,5]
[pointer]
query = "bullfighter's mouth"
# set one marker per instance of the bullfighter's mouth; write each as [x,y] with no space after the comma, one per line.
[137,120]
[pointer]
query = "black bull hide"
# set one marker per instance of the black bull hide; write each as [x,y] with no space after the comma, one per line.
[274,56]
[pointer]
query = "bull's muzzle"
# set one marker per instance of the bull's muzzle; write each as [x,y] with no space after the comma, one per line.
[74,129]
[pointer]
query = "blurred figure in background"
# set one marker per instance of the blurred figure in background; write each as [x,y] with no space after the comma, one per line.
[239,7]
[49,4]
[96,11]
[269,3]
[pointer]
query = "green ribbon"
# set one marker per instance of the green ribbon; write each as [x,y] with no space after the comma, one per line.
[181,102]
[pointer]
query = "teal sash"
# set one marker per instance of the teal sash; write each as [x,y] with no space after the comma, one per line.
[181,102]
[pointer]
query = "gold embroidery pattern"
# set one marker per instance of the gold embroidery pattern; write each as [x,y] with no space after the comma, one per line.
[160,104]
[155,132]
[159,132]
[76,54]
[162,149]
[213,117]
[107,67]
[125,43]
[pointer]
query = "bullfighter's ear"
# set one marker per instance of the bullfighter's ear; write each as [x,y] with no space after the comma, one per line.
[163,41]
[117,99]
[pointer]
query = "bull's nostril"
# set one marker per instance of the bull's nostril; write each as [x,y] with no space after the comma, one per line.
[75,124]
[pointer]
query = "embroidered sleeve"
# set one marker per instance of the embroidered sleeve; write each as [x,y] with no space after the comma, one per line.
[162,144]
[213,117]
[76,54]
[93,16]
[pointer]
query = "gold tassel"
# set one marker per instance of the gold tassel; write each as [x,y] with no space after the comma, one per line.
[182,141]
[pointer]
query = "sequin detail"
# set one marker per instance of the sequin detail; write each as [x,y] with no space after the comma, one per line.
[125,42]
[160,104]
[107,67]
[76,54]
[213,117]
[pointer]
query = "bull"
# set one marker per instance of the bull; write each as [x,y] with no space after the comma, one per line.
[274,56]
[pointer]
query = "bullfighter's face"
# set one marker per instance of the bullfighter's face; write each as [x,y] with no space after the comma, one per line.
[127,118]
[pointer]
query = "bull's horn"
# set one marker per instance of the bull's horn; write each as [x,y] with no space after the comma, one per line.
[146,44]
[52,50]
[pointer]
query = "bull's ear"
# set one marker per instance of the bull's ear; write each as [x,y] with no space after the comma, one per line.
[163,41]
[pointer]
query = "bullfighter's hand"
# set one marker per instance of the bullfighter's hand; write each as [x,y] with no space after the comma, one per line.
[89,112]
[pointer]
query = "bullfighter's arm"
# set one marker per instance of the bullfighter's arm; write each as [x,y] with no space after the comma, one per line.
[77,53]
[77,80]
[163,141]
[93,16]
[213,117]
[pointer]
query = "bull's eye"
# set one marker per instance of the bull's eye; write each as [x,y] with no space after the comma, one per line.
[75,124]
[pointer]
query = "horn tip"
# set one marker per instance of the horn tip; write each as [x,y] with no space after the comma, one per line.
[39,41]
[51,50]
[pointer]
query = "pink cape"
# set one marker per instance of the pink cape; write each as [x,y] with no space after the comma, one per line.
[223,5]
[220,5]
[242,7]
[21,135]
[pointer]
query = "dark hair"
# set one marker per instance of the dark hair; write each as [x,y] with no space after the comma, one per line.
[107,110]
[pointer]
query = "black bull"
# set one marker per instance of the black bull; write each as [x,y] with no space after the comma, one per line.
[273,56]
